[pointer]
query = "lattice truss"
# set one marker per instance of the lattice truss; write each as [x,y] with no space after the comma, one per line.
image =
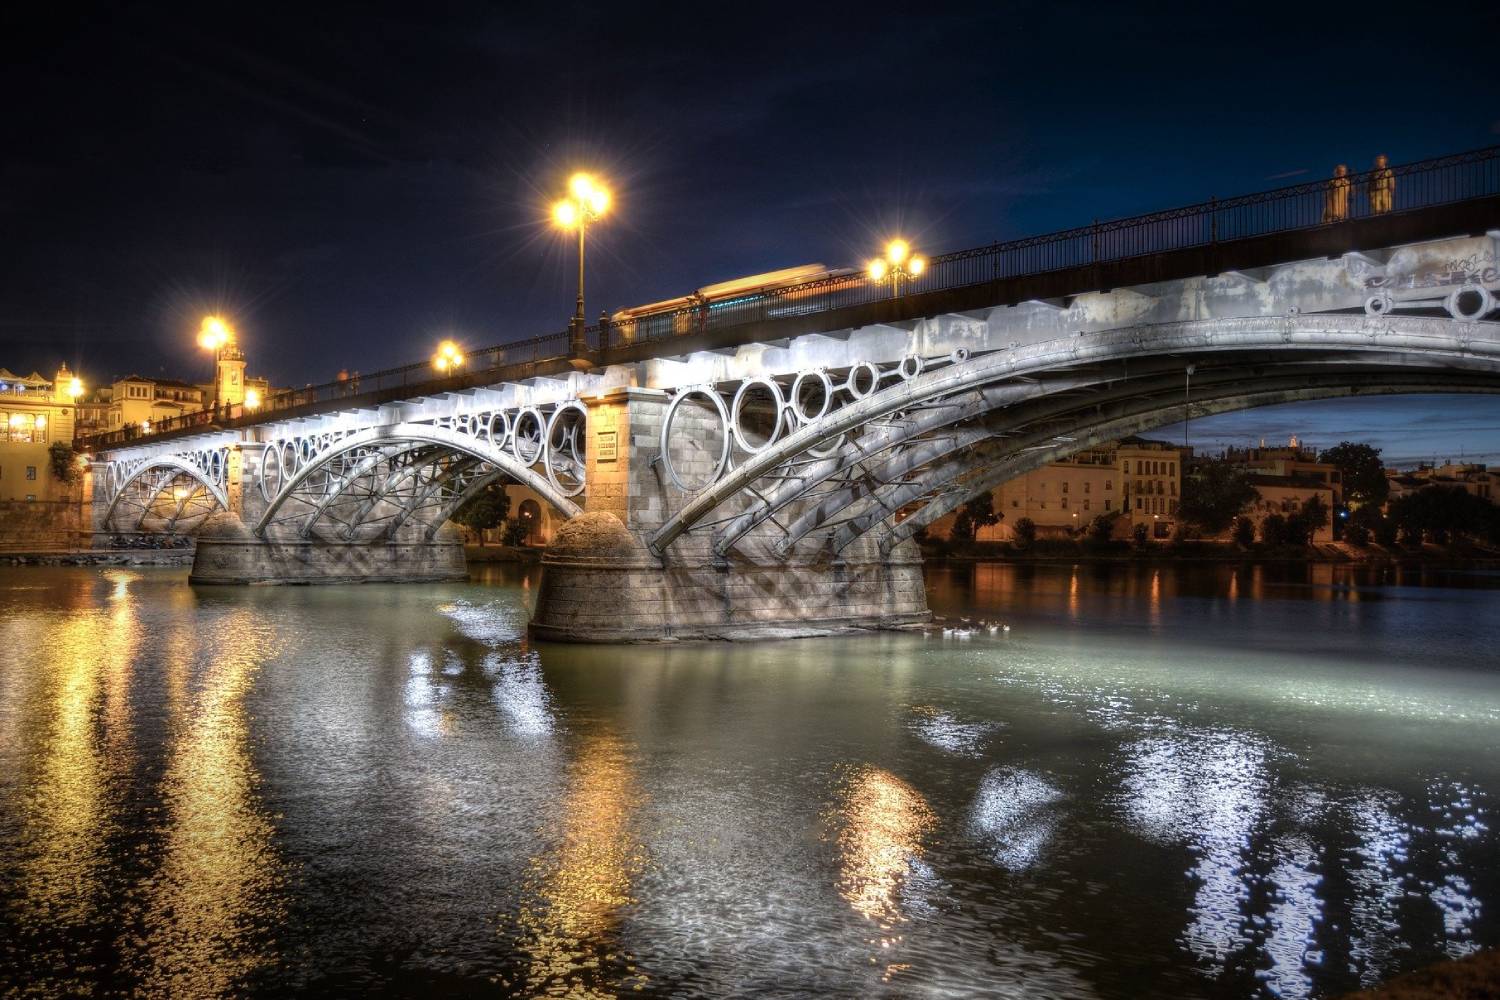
[165,493]
[405,480]
[821,459]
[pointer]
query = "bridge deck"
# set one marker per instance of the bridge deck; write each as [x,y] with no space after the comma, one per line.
[1450,196]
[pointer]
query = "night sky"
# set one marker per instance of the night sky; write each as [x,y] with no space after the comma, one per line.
[350,185]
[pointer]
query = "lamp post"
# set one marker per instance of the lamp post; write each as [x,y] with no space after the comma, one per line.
[587,201]
[448,358]
[898,263]
[213,335]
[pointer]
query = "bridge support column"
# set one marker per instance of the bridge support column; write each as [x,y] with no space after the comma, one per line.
[601,583]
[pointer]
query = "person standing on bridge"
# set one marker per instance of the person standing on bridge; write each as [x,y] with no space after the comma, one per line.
[1336,202]
[1382,187]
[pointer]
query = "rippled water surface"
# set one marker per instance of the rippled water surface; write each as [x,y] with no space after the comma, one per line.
[1176,782]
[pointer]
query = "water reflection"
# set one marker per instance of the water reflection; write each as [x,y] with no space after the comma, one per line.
[1015,813]
[882,821]
[211,909]
[569,924]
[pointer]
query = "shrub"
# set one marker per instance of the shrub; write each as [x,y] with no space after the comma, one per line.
[1273,530]
[1244,532]
[1357,535]
[1025,532]
[1139,534]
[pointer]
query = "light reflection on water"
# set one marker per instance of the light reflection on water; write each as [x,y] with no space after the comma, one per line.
[1162,781]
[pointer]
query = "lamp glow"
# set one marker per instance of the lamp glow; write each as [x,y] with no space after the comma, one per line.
[587,201]
[896,251]
[565,214]
[899,264]
[75,388]
[252,399]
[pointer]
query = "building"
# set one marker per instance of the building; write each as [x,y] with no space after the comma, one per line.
[1476,478]
[35,413]
[139,401]
[1137,480]
[1285,479]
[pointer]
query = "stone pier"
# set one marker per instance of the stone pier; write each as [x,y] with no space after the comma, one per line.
[600,582]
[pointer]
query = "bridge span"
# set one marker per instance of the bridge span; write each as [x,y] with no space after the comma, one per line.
[777,483]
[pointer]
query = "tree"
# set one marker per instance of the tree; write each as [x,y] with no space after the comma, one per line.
[1139,534]
[1244,532]
[1298,530]
[1362,472]
[1273,530]
[1102,527]
[1315,513]
[1025,531]
[977,513]
[64,461]
[1357,535]
[1443,514]
[1214,495]
[485,509]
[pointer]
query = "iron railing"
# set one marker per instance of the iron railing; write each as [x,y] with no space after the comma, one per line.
[1423,184]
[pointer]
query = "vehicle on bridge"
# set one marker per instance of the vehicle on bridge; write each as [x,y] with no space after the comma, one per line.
[791,291]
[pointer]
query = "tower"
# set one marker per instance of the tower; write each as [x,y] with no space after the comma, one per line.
[230,375]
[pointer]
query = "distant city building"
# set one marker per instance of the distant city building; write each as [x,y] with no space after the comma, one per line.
[35,412]
[1137,480]
[1478,479]
[138,401]
[1286,478]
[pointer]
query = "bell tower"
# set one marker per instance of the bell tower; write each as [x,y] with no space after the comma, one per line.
[231,375]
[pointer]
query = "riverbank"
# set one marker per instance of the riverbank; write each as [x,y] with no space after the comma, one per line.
[98,557]
[1053,550]
[1476,977]
[525,554]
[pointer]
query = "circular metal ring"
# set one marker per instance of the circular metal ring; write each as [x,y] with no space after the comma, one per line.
[571,406]
[778,403]
[830,449]
[489,429]
[911,366]
[666,434]
[290,459]
[1378,304]
[517,436]
[796,398]
[959,356]
[306,449]
[216,467]
[270,459]
[1454,302]
[851,382]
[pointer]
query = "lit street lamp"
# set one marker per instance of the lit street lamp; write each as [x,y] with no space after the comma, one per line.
[587,201]
[252,400]
[75,388]
[214,335]
[897,265]
[448,357]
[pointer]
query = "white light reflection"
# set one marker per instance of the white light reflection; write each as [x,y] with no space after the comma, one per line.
[521,694]
[1295,912]
[1014,813]
[1208,789]
[945,732]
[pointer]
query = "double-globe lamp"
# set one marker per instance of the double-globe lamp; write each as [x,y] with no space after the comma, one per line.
[214,335]
[899,264]
[587,201]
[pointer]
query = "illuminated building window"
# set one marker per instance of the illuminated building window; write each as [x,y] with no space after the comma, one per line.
[24,427]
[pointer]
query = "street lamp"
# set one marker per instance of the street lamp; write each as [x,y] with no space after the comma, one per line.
[214,335]
[448,357]
[587,201]
[252,400]
[898,263]
[75,388]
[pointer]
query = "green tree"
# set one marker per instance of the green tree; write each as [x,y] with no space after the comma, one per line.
[484,510]
[64,461]
[1273,530]
[1025,532]
[1102,527]
[1140,533]
[1362,472]
[1244,532]
[1298,530]
[1315,512]
[1444,514]
[1214,495]
[977,513]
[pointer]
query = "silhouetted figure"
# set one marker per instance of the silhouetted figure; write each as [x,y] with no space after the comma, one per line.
[1382,187]
[1336,202]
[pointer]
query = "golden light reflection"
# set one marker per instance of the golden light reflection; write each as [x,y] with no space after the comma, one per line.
[211,908]
[568,926]
[76,766]
[882,821]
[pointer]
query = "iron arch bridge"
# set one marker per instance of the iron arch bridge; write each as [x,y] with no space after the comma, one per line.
[816,461]
[367,484]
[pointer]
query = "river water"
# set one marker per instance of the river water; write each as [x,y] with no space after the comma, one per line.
[1176,782]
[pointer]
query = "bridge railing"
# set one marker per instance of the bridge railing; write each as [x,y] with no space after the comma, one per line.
[1413,186]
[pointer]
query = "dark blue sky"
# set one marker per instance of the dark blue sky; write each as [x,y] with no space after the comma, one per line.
[352,183]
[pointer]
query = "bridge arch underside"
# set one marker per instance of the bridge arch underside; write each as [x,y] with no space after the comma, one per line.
[397,485]
[901,470]
[163,497]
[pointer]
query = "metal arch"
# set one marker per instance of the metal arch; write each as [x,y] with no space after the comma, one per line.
[165,462]
[462,466]
[426,434]
[360,468]
[448,509]
[1328,332]
[397,476]
[1030,456]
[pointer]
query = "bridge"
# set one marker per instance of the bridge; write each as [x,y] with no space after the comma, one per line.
[763,465]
